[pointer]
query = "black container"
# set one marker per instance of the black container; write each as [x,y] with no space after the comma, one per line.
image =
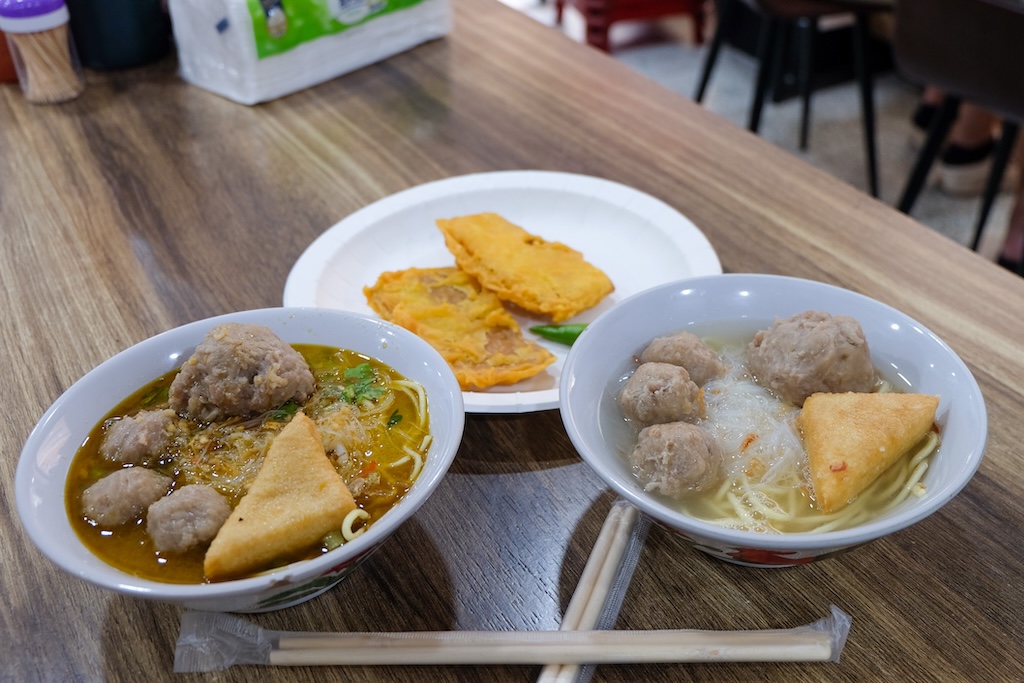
[119,34]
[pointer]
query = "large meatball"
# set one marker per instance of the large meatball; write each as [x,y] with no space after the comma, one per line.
[240,370]
[677,458]
[190,516]
[811,352]
[661,392]
[124,495]
[689,351]
[134,439]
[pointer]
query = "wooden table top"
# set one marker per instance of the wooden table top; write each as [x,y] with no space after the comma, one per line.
[148,203]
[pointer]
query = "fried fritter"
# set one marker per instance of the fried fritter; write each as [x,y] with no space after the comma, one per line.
[468,325]
[852,438]
[296,499]
[539,276]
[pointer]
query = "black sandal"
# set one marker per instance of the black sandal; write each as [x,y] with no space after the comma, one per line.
[924,115]
[1011,265]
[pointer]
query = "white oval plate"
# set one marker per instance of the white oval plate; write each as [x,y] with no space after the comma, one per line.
[639,241]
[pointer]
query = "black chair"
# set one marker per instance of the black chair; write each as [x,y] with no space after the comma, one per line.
[971,50]
[777,17]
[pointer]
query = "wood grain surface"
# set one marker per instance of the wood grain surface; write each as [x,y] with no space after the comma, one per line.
[148,203]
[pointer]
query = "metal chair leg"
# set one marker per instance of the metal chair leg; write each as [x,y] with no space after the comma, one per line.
[1001,159]
[861,38]
[726,9]
[807,28]
[766,48]
[926,157]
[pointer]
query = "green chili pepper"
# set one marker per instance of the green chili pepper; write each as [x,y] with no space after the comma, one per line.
[563,334]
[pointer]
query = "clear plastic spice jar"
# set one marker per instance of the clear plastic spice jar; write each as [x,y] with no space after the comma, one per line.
[7,72]
[42,49]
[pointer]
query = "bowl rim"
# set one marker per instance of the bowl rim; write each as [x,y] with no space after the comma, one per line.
[748,539]
[122,582]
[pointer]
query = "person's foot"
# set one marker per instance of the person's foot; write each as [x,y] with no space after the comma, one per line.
[963,171]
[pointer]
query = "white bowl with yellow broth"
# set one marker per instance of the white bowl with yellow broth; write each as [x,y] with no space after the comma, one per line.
[47,457]
[734,308]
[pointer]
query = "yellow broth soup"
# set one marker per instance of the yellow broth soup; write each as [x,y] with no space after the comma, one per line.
[372,421]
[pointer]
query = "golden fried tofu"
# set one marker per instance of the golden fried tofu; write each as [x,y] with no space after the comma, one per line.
[548,278]
[852,438]
[295,500]
[468,325]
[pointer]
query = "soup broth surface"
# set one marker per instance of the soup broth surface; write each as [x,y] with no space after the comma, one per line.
[767,482]
[373,421]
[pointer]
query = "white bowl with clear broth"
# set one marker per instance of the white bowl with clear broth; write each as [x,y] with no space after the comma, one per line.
[50,448]
[737,306]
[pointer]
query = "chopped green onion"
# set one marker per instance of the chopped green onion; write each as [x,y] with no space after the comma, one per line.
[361,384]
[285,412]
[334,539]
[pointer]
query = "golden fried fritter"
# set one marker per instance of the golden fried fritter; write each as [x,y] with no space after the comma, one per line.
[852,438]
[542,277]
[468,325]
[296,499]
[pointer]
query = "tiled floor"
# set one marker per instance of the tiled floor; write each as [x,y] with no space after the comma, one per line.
[664,52]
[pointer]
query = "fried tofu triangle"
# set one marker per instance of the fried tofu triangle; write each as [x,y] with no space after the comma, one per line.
[852,438]
[542,277]
[295,500]
[467,325]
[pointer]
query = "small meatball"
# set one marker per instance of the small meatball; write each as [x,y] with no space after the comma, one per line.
[661,392]
[811,352]
[240,370]
[124,495]
[689,351]
[677,458]
[188,517]
[131,440]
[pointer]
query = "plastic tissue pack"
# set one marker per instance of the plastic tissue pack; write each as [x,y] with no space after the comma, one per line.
[257,50]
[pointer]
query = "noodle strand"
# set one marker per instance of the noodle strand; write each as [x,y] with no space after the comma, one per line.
[765,488]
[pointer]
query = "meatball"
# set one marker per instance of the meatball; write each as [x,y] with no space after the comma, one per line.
[240,370]
[188,517]
[133,439]
[677,458]
[124,495]
[689,351]
[661,392]
[811,352]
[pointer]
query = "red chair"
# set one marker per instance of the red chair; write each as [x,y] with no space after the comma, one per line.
[599,15]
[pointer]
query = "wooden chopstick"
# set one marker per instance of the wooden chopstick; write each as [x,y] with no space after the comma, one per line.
[542,647]
[214,641]
[595,582]
[563,651]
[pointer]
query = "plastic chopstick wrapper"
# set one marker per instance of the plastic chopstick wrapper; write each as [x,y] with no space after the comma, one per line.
[603,584]
[602,587]
[213,641]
